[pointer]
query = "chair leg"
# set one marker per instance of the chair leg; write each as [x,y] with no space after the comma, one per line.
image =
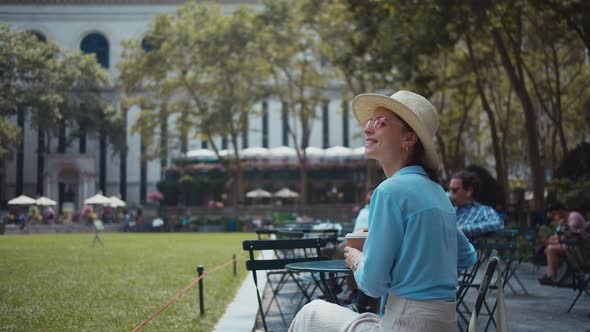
[491,313]
[575,300]
[275,291]
[513,274]
[582,289]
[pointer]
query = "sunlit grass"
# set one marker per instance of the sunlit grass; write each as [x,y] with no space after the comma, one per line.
[62,283]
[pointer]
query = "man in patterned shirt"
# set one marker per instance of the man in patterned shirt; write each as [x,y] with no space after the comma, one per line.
[473,218]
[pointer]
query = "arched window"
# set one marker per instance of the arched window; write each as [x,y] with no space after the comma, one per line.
[147,46]
[97,44]
[41,37]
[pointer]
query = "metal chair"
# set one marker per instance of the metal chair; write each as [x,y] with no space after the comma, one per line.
[310,248]
[504,241]
[577,253]
[466,282]
[485,285]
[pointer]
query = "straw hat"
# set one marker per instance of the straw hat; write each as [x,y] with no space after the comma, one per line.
[414,109]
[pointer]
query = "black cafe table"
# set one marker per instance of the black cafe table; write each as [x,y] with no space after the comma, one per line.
[323,267]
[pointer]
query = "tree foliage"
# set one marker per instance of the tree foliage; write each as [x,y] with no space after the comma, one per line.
[51,87]
[509,78]
[209,73]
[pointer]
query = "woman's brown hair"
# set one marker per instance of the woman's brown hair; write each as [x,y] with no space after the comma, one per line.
[419,156]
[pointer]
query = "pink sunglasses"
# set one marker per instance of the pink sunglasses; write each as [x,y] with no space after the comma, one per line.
[376,122]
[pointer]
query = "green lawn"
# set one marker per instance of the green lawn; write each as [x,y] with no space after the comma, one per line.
[61,283]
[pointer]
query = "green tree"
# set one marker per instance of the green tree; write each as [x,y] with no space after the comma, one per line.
[51,88]
[293,53]
[210,72]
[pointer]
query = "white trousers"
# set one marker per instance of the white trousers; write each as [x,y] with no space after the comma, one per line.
[401,315]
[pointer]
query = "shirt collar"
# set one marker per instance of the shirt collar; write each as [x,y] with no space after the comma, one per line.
[413,169]
[468,205]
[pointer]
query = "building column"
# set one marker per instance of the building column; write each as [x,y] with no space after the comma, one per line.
[325,126]
[345,124]
[48,180]
[103,162]
[40,159]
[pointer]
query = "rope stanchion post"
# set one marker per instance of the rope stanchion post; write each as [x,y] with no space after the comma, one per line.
[199,279]
[235,267]
[200,270]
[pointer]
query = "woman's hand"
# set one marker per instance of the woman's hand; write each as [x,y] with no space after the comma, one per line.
[353,258]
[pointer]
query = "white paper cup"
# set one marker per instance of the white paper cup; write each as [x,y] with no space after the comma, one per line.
[356,240]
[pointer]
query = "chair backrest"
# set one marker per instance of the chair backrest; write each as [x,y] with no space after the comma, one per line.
[503,241]
[505,233]
[486,280]
[577,253]
[278,245]
[278,264]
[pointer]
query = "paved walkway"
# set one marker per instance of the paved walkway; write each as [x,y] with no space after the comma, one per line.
[241,314]
[543,309]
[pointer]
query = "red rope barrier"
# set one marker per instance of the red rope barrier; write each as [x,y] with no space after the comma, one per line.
[194,282]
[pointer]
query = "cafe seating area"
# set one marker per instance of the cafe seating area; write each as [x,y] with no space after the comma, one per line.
[298,274]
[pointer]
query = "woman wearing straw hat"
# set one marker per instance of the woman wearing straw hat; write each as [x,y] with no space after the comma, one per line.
[414,249]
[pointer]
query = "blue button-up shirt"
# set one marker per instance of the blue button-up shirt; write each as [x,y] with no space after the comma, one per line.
[413,248]
[476,219]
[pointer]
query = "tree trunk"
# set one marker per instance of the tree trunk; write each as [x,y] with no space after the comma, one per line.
[2,180]
[20,154]
[500,172]
[519,87]
[163,137]
[558,111]
[553,149]
[457,160]
[505,129]
[443,154]
[143,170]
[303,183]
[238,169]
[40,158]
[305,135]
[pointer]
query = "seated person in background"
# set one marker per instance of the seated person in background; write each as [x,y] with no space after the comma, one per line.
[362,219]
[567,221]
[473,218]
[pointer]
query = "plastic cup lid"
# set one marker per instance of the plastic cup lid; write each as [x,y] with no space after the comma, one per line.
[356,235]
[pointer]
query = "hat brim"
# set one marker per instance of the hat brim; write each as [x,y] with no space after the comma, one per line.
[365,104]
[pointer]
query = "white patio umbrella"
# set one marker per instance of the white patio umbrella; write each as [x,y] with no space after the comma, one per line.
[202,154]
[116,202]
[44,201]
[22,200]
[283,152]
[226,153]
[258,193]
[314,154]
[98,199]
[359,153]
[286,193]
[339,152]
[254,153]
